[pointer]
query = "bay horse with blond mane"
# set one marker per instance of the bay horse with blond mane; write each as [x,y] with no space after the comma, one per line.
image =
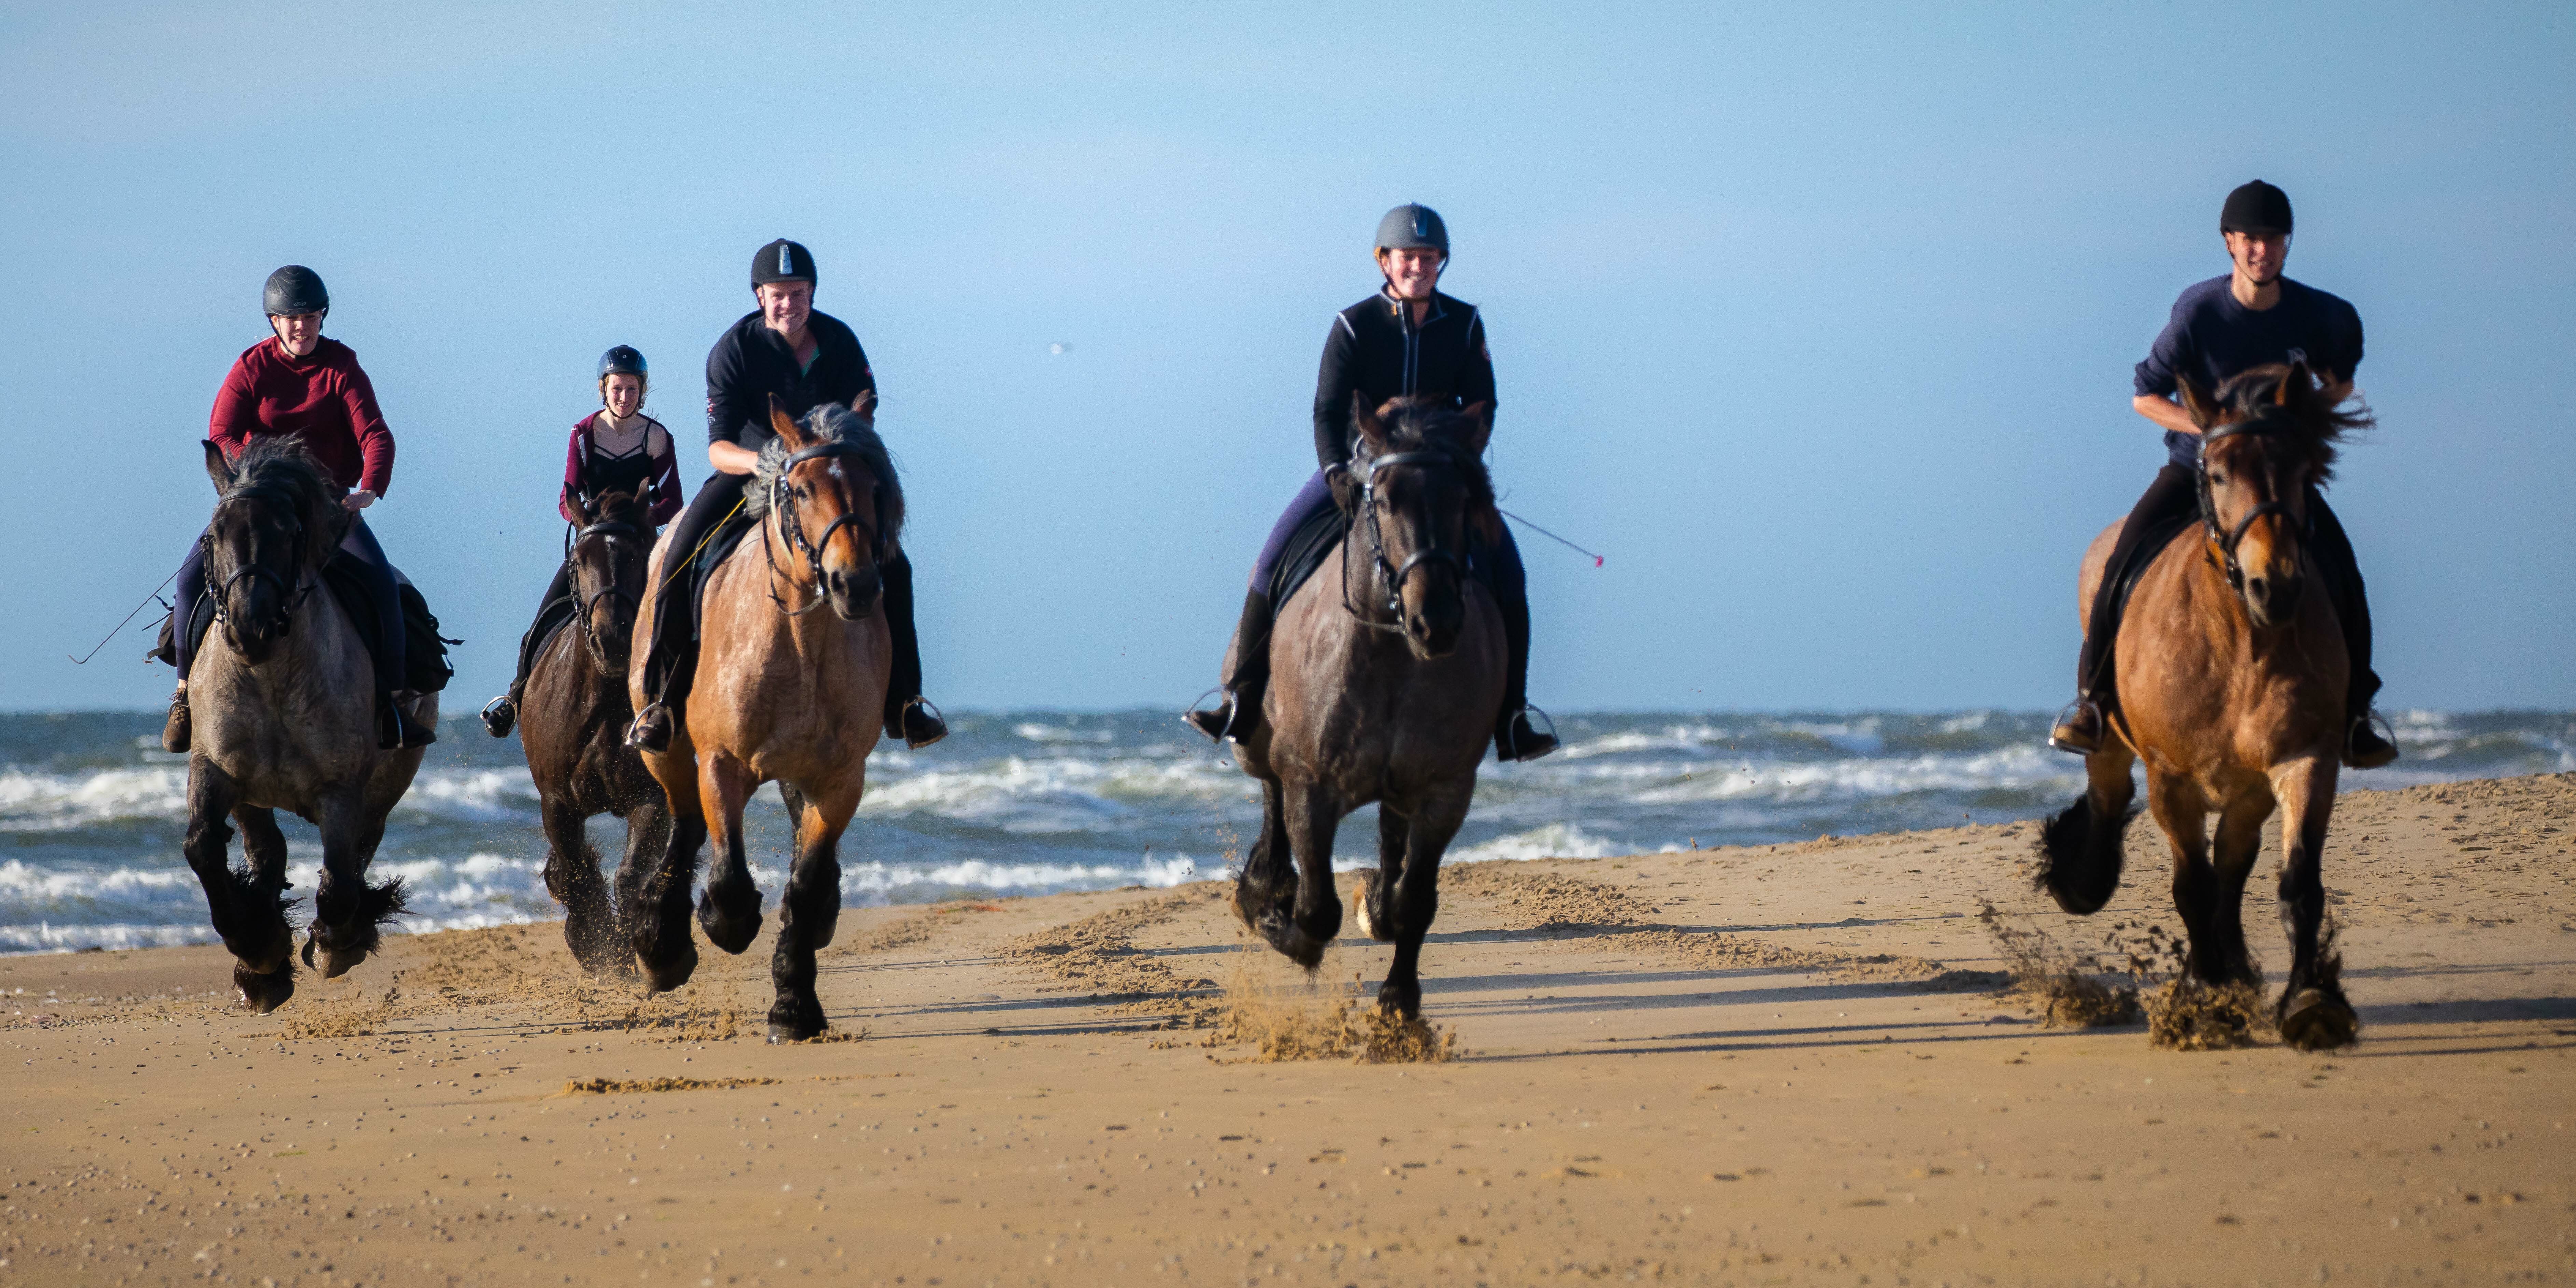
[2231,674]
[792,667]
[1386,669]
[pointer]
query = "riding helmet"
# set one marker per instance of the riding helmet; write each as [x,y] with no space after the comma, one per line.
[1413,226]
[782,261]
[621,361]
[2256,207]
[295,289]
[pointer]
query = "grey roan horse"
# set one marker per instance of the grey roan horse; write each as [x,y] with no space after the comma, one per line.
[1386,669]
[282,694]
[574,734]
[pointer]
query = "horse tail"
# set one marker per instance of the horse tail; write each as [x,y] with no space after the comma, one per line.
[2080,854]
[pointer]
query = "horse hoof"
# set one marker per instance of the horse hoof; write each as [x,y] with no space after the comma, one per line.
[2312,1020]
[1291,939]
[664,975]
[1363,900]
[1243,907]
[724,929]
[1400,1002]
[263,991]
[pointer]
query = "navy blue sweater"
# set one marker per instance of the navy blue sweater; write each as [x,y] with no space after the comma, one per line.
[2212,337]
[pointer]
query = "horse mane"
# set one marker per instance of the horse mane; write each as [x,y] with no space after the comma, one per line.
[277,463]
[1423,425]
[2315,427]
[834,423]
[622,507]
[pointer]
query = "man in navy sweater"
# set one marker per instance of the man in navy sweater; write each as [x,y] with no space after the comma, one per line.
[2250,317]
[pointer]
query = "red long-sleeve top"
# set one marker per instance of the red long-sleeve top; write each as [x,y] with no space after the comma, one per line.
[323,398]
[651,470]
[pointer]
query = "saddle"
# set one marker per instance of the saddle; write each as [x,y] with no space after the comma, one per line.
[720,546]
[1314,542]
[425,665]
[2118,583]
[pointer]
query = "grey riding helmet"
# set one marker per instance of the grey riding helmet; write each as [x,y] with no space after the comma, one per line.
[782,261]
[1413,226]
[623,360]
[295,289]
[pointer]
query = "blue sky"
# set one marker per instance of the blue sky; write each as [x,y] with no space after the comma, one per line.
[1816,320]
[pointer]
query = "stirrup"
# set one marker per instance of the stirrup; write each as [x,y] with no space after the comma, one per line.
[499,715]
[635,735]
[1212,723]
[2368,724]
[2065,724]
[937,730]
[1542,740]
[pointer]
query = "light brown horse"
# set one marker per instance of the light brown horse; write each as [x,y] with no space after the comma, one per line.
[1386,669]
[2231,681]
[792,666]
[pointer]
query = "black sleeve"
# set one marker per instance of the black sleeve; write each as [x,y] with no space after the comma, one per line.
[1333,388]
[725,414]
[2352,346]
[866,380]
[1476,377]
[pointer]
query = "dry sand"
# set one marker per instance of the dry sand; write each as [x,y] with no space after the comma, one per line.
[1774,1064]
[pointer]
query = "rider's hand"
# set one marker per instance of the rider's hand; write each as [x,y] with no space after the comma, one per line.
[358,500]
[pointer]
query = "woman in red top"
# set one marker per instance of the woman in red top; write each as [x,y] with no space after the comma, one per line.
[298,383]
[615,449]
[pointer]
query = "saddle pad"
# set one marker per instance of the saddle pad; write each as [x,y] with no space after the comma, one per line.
[2119,582]
[1307,550]
[720,545]
[425,663]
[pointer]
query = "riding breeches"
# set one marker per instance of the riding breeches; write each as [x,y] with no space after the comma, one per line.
[190,590]
[554,606]
[670,664]
[2175,496]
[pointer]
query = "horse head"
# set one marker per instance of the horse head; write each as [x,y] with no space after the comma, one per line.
[829,488]
[276,521]
[2267,441]
[606,566]
[1416,487]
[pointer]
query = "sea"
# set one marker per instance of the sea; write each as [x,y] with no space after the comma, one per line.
[92,812]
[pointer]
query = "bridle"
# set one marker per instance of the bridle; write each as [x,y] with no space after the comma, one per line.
[608,530]
[1392,575]
[2264,423]
[294,592]
[781,503]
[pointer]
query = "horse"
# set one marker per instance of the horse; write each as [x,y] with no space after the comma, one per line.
[574,734]
[282,695]
[2231,680]
[784,693]
[1385,675]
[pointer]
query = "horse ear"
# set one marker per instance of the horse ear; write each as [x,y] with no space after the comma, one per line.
[217,468]
[784,425]
[1480,426]
[2195,404]
[865,406]
[1370,423]
[2300,376]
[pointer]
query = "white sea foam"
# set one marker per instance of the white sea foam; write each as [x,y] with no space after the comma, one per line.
[1554,841]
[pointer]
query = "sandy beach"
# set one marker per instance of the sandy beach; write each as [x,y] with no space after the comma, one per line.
[1796,1063]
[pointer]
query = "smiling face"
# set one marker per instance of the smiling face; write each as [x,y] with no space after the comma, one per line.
[621,394]
[2259,254]
[297,333]
[1410,273]
[785,307]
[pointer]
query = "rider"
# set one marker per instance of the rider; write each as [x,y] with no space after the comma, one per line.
[2219,328]
[786,349]
[299,384]
[1406,339]
[615,449]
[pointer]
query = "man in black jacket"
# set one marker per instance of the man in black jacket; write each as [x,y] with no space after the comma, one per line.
[804,358]
[1408,339]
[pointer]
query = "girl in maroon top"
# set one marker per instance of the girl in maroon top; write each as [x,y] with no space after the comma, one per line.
[299,384]
[615,449]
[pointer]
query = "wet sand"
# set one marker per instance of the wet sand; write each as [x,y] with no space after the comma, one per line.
[1770,1064]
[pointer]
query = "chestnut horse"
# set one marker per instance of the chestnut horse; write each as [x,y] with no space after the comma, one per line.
[283,699]
[1386,669]
[784,693]
[574,734]
[2230,675]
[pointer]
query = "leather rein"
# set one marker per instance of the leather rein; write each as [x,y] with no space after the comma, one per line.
[2222,536]
[1391,574]
[295,591]
[608,530]
[780,504]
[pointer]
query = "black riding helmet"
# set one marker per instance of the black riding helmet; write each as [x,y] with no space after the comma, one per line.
[2256,207]
[295,289]
[621,361]
[1413,226]
[782,261]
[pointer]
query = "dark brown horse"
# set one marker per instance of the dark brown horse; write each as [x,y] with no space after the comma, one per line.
[1386,669]
[282,695]
[2231,675]
[574,734]
[793,661]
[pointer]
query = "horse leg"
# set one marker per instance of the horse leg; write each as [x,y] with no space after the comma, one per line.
[1369,895]
[572,877]
[253,928]
[808,911]
[648,834]
[2239,844]
[2083,845]
[1415,899]
[730,910]
[1267,882]
[2313,1015]
[1316,915]
[2183,813]
[658,916]
[347,912]
[264,846]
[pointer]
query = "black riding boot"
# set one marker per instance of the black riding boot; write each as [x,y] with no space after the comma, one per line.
[2364,747]
[1516,736]
[1240,709]
[908,715]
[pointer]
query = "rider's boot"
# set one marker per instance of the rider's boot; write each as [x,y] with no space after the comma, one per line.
[917,722]
[1520,738]
[908,715]
[2366,747]
[1516,736]
[397,730]
[2078,728]
[652,728]
[174,732]
[501,713]
[1239,709]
